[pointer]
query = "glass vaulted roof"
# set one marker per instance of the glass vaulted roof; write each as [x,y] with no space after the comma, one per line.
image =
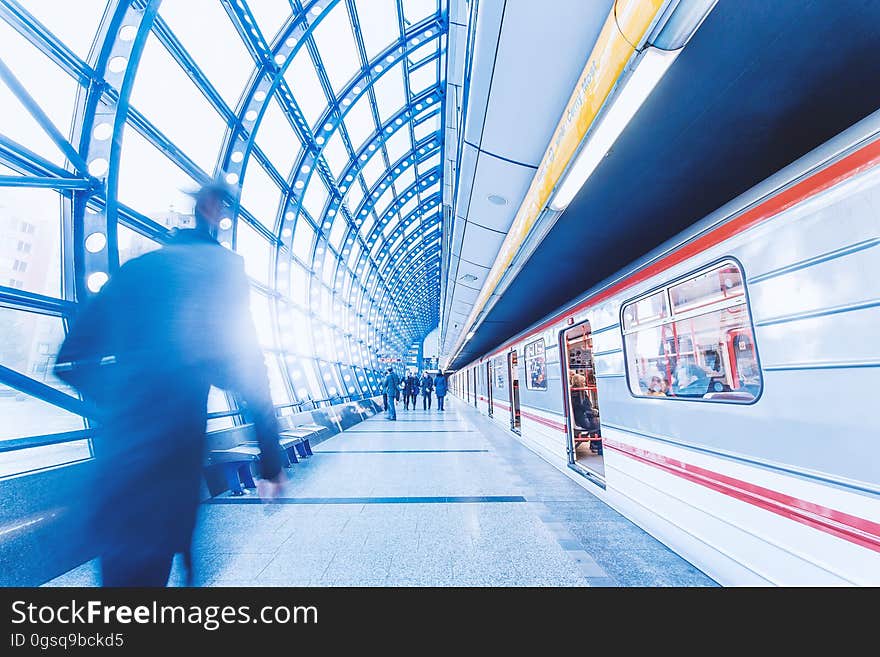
[325,116]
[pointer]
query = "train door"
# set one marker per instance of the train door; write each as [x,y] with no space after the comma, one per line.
[513,387]
[477,386]
[582,401]
[489,382]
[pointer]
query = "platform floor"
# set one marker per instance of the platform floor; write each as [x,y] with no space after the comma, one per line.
[433,499]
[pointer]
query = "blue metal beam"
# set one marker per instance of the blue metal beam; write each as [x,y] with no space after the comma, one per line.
[47,182]
[42,119]
[43,392]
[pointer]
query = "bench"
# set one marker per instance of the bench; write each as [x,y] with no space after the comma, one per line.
[232,451]
[296,439]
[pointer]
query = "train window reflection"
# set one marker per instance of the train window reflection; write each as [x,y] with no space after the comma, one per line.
[710,287]
[704,349]
[644,311]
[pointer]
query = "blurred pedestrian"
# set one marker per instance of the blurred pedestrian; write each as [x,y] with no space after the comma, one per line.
[144,352]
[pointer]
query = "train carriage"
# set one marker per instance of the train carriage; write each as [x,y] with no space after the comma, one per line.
[721,391]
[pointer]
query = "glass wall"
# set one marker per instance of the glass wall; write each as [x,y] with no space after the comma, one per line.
[324,117]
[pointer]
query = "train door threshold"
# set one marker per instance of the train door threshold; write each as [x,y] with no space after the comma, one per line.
[588,474]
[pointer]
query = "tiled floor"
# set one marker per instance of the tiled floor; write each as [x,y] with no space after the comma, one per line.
[435,499]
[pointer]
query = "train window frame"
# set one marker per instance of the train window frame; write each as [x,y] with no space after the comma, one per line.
[528,359]
[673,318]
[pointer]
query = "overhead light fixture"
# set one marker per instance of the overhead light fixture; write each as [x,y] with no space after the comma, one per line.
[469,335]
[651,68]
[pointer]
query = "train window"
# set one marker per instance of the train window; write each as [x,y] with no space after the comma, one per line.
[536,365]
[648,310]
[706,289]
[498,372]
[703,349]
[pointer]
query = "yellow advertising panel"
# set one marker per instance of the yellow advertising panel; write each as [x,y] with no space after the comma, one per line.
[626,25]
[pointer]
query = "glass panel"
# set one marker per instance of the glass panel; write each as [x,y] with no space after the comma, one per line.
[168,98]
[427,127]
[213,43]
[337,47]
[338,232]
[74,23]
[398,145]
[168,184]
[35,458]
[336,154]
[315,391]
[379,24]
[303,238]
[132,244]
[277,387]
[429,163]
[217,401]
[52,89]
[717,285]
[301,328]
[650,309]
[422,52]
[373,169]
[29,343]
[260,195]
[30,240]
[384,202]
[299,284]
[315,197]
[417,10]
[306,86]
[423,77]
[390,93]
[255,250]
[406,177]
[359,122]
[270,15]
[262,316]
[277,139]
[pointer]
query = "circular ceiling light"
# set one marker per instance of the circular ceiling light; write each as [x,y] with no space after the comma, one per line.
[495,199]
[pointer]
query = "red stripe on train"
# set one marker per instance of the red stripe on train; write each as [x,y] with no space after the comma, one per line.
[544,421]
[863,159]
[854,529]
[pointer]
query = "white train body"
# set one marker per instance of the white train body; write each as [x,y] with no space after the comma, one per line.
[783,488]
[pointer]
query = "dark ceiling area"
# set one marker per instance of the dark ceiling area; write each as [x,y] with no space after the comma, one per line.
[761,84]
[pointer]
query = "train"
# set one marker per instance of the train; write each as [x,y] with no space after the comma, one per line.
[722,391]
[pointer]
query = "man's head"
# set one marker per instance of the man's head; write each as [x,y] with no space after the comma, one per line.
[212,202]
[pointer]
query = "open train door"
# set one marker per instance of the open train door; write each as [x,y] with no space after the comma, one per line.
[582,402]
